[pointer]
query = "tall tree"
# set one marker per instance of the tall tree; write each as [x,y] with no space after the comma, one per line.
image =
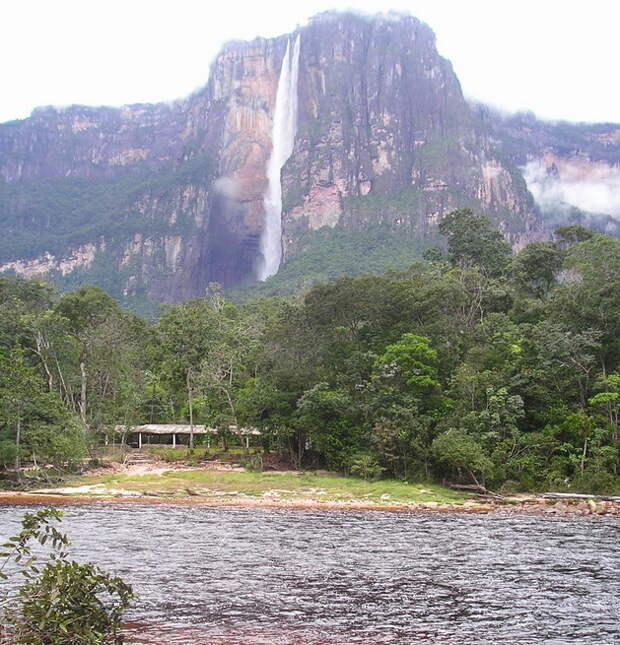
[472,242]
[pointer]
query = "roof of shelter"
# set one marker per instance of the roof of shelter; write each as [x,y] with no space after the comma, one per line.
[180,428]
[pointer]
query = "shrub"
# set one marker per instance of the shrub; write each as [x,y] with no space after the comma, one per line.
[599,483]
[64,602]
[71,604]
[366,467]
[253,463]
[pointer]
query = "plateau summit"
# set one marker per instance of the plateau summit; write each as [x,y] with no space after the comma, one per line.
[349,124]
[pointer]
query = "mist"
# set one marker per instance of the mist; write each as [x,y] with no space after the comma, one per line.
[561,184]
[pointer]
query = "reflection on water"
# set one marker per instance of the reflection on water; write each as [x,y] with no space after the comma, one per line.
[258,576]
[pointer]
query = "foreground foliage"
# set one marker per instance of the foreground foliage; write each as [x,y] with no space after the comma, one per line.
[476,367]
[62,602]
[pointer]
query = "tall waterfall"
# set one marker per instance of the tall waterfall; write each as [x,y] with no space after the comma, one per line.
[283,138]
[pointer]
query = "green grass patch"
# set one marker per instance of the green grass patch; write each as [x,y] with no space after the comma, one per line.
[279,486]
[182,453]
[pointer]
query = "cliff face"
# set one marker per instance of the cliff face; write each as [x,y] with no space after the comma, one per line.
[92,192]
[160,200]
[571,169]
[152,200]
[386,135]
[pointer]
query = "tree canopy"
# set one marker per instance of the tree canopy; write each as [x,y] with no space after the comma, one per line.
[489,367]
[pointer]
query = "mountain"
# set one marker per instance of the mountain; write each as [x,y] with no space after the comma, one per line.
[353,126]
[571,169]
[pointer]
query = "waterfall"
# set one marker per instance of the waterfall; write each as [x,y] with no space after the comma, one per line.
[283,138]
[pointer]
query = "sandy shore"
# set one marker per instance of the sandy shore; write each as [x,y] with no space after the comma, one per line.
[24,498]
[514,505]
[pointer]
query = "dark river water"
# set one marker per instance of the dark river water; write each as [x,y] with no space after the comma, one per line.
[222,575]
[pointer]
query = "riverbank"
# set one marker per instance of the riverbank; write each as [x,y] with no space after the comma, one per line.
[236,487]
[518,505]
[225,485]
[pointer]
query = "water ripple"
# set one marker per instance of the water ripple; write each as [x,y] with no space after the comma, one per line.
[212,575]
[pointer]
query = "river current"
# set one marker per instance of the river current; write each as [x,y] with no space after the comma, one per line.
[263,576]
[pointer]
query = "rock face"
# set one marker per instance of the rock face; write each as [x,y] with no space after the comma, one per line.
[571,169]
[160,200]
[386,135]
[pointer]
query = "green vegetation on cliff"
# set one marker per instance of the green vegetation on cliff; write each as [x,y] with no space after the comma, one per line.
[328,253]
[55,215]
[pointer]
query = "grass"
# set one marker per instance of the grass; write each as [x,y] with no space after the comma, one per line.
[183,454]
[307,486]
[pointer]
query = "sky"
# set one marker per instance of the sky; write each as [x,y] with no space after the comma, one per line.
[557,58]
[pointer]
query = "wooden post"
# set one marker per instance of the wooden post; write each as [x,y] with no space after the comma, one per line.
[174,440]
[191,411]
[140,440]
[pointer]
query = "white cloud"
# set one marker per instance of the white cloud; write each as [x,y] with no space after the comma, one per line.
[590,186]
[556,58]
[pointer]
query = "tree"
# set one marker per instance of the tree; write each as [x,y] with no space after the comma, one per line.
[366,466]
[18,392]
[203,346]
[104,380]
[572,234]
[536,267]
[472,242]
[223,367]
[20,297]
[580,425]
[33,420]
[607,402]
[589,295]
[461,452]
[401,441]
[325,420]
[410,364]
[86,307]
[567,358]
[183,335]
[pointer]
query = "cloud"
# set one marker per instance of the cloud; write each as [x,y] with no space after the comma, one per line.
[558,185]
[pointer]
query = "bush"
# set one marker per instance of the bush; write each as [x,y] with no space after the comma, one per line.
[253,463]
[598,483]
[65,602]
[510,487]
[366,467]
[71,604]
[168,454]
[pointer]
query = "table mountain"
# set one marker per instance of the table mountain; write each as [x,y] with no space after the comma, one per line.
[157,201]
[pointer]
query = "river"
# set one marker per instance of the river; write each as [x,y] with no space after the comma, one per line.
[264,576]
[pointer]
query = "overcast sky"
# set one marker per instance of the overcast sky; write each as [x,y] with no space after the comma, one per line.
[558,58]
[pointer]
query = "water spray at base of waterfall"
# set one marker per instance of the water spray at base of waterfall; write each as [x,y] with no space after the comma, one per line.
[283,139]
